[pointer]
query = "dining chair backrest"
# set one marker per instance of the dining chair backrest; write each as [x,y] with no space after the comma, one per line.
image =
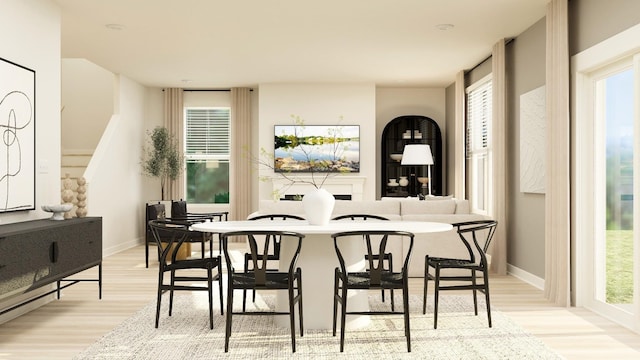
[476,237]
[260,245]
[360,217]
[376,243]
[169,235]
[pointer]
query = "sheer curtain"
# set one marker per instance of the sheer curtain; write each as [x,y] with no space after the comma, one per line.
[498,143]
[557,199]
[459,139]
[240,170]
[174,122]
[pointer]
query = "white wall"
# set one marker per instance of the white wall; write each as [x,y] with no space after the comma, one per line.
[114,177]
[87,102]
[320,104]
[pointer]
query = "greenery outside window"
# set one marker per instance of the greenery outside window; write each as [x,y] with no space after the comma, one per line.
[207,152]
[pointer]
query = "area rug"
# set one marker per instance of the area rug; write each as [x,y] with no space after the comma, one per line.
[186,335]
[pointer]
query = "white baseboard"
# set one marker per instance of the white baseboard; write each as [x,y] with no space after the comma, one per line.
[527,277]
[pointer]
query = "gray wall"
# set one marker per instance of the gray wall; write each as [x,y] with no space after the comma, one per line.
[592,21]
[525,233]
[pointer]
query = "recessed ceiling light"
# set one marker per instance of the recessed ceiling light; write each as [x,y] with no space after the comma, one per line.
[114,26]
[444,27]
[186,80]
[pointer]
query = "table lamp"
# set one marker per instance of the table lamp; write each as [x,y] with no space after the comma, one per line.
[419,154]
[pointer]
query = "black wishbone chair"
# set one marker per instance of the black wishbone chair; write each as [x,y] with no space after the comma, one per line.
[388,257]
[273,256]
[476,236]
[169,236]
[375,277]
[260,278]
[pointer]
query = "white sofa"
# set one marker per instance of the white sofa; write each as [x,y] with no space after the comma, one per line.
[447,210]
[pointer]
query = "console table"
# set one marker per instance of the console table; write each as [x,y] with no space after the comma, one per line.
[40,252]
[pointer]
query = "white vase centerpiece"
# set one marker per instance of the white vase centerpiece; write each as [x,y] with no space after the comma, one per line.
[318,205]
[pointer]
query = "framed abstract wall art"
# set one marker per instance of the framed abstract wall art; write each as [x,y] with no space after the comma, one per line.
[17,145]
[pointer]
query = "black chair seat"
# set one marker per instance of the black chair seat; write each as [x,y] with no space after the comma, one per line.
[447,263]
[273,281]
[193,264]
[362,280]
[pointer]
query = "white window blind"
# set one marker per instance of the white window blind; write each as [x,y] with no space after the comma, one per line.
[207,131]
[479,109]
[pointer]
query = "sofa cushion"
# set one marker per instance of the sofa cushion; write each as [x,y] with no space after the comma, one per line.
[384,208]
[428,207]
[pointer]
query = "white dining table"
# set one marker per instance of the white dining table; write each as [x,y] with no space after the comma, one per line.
[318,260]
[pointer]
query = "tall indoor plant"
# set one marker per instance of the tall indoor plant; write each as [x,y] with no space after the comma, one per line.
[161,157]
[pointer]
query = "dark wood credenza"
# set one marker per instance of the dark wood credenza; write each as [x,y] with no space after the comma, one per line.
[41,252]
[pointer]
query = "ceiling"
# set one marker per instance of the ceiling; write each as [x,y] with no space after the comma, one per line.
[236,43]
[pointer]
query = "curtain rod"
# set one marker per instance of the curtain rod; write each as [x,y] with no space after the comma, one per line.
[211,90]
[506,42]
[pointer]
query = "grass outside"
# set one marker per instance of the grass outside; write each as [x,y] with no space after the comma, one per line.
[619,266]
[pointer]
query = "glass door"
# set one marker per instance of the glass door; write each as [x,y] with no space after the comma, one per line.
[611,259]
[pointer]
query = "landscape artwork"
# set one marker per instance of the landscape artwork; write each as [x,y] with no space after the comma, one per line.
[17,149]
[317,148]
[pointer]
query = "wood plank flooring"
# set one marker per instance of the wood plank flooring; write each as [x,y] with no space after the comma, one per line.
[62,328]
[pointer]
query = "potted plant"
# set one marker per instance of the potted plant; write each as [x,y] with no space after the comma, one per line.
[161,157]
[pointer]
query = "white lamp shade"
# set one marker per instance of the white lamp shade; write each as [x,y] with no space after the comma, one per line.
[417,154]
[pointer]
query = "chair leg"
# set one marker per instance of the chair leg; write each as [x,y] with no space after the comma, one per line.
[210,293]
[173,284]
[227,330]
[475,292]
[146,253]
[220,290]
[486,295]
[343,316]
[292,318]
[335,302]
[435,302]
[159,299]
[300,312]
[390,263]
[407,327]
[426,283]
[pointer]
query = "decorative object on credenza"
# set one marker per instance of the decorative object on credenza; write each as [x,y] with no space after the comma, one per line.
[418,155]
[81,211]
[17,111]
[67,194]
[393,182]
[403,181]
[57,210]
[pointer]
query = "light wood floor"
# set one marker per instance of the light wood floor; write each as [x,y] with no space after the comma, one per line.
[64,327]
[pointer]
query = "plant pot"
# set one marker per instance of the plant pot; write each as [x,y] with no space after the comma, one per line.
[318,206]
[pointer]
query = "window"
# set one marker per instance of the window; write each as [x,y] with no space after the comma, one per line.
[207,151]
[478,143]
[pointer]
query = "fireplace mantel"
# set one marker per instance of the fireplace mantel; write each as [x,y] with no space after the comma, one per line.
[337,185]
